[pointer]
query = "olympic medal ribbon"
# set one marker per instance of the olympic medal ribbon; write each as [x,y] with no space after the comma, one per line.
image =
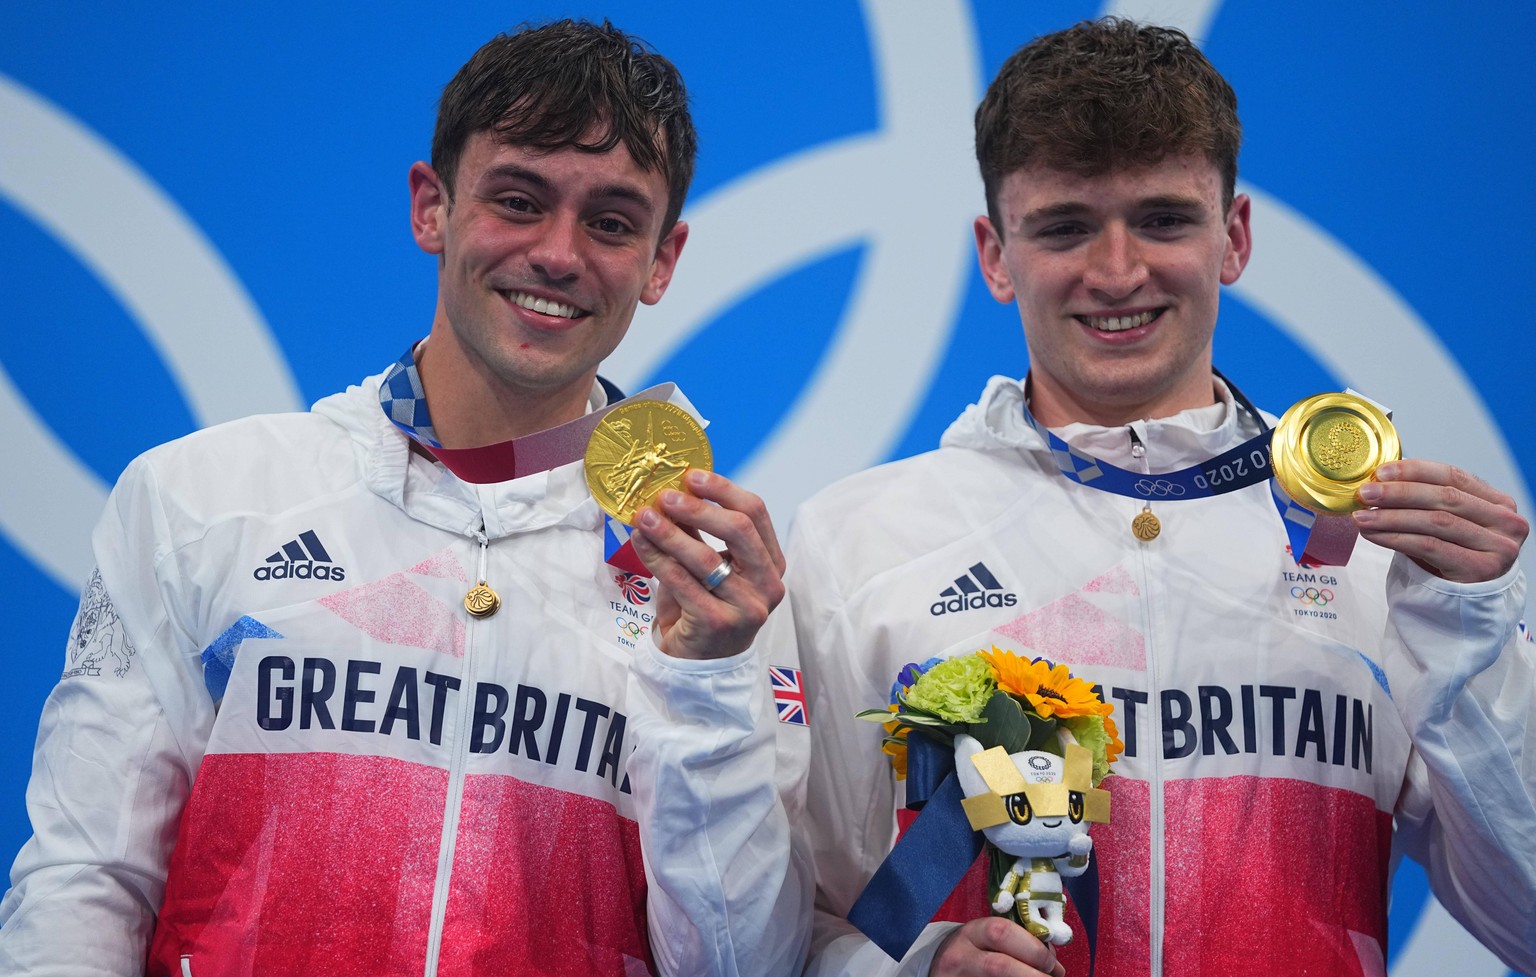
[1233,469]
[1324,448]
[404,401]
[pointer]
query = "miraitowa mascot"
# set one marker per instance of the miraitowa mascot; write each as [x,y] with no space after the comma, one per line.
[1015,746]
[1035,807]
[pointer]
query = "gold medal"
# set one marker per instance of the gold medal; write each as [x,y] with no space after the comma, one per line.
[481,601]
[640,449]
[1327,446]
[1146,526]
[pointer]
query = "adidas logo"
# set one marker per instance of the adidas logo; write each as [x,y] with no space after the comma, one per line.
[972,589]
[302,558]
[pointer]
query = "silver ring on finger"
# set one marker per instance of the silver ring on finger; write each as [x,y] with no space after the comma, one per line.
[717,576]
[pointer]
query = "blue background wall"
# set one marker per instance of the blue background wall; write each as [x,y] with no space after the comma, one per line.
[203,214]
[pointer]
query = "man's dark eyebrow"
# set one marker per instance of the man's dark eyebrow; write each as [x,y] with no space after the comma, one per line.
[512,171]
[622,191]
[1075,208]
[1067,208]
[1172,201]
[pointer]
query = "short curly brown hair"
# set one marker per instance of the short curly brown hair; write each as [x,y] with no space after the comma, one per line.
[559,84]
[1104,95]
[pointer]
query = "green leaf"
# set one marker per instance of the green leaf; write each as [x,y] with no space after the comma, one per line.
[1043,735]
[923,719]
[1004,723]
[878,715]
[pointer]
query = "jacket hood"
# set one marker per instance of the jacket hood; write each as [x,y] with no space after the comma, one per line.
[425,490]
[996,422]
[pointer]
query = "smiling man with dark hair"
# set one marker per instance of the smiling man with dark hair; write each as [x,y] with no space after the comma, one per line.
[385,691]
[1289,728]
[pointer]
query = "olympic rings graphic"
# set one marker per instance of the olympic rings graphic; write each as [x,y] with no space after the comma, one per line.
[629,627]
[1312,595]
[1158,488]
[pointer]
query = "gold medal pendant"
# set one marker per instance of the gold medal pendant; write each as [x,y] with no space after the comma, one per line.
[481,601]
[1327,446]
[1146,526]
[640,449]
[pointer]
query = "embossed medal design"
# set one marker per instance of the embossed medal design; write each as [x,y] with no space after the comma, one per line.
[640,449]
[1146,526]
[1327,446]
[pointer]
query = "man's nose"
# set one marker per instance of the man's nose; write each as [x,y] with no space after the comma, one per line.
[1116,265]
[557,251]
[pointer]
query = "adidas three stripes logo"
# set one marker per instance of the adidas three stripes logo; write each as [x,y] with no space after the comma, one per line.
[302,558]
[977,587]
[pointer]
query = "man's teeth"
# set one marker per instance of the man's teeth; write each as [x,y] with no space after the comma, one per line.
[1120,323]
[544,305]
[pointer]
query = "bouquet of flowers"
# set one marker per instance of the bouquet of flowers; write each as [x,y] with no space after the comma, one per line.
[1000,699]
[1029,744]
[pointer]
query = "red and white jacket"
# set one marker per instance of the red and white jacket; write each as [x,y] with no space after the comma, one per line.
[1276,720]
[282,746]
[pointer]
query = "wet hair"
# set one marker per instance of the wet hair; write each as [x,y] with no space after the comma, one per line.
[572,83]
[1105,95]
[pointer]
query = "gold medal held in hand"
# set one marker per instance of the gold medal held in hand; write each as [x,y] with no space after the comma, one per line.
[1327,446]
[640,449]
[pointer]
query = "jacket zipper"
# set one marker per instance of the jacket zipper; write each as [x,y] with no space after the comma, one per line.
[1154,745]
[458,761]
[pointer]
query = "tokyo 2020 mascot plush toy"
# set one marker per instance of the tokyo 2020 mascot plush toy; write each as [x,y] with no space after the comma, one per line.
[1036,807]
[1015,746]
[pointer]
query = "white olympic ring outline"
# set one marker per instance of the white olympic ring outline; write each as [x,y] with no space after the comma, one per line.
[170,280]
[1158,488]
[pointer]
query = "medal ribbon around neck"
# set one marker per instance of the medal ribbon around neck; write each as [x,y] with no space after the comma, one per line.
[1316,539]
[404,402]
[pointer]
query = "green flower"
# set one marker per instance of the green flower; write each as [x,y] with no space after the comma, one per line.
[1102,740]
[955,690]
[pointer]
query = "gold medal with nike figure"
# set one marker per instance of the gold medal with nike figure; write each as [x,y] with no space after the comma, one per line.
[1326,447]
[639,450]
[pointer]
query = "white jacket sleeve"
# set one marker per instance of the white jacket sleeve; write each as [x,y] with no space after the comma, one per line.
[112,767]
[729,890]
[849,821]
[1465,684]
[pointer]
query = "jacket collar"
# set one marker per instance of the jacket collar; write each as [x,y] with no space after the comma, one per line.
[1183,439]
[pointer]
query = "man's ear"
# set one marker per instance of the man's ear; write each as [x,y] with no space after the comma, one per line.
[664,263]
[1239,240]
[989,254]
[429,208]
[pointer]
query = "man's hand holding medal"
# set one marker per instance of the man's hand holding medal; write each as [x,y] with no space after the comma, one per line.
[649,466]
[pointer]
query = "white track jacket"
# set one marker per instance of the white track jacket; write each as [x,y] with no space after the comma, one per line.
[1277,721]
[282,746]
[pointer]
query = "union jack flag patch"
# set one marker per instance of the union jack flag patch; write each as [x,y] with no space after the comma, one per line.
[788,694]
[1525,632]
[635,588]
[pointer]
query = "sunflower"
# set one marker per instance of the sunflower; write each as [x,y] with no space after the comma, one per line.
[1115,748]
[1050,689]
